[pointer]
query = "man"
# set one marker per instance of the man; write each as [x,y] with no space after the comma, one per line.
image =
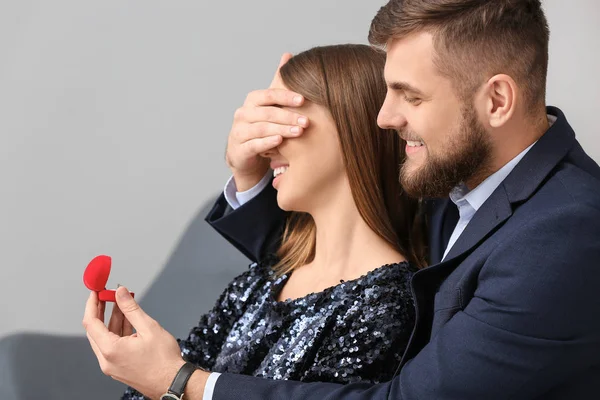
[508,308]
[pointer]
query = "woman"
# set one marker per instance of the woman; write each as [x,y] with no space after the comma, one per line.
[334,304]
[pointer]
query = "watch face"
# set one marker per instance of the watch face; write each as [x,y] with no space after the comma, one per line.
[169,396]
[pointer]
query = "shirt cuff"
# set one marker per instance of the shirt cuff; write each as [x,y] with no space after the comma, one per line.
[237,199]
[209,388]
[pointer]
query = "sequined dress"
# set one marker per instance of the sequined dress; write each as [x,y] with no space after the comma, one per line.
[354,331]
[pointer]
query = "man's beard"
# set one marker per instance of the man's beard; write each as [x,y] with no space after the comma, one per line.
[465,159]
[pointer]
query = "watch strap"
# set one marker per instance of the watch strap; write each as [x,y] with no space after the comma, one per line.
[181,379]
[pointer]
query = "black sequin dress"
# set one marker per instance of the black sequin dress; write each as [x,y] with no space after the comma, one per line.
[354,331]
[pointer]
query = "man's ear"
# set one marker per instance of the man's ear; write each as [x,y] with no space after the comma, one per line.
[501,97]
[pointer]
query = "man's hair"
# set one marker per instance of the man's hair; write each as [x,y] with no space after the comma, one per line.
[475,40]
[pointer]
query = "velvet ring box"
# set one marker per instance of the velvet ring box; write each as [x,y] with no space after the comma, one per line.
[96,275]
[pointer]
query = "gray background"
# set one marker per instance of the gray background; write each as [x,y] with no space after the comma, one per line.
[114,117]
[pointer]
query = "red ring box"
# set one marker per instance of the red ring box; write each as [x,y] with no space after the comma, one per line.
[96,275]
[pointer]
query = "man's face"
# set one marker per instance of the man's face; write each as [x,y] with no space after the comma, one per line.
[446,142]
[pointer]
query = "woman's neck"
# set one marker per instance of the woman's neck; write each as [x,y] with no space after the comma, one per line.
[346,247]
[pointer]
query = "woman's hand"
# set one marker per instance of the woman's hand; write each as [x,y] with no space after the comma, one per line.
[147,360]
[260,125]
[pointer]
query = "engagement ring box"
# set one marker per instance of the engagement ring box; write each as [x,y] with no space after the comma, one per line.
[96,275]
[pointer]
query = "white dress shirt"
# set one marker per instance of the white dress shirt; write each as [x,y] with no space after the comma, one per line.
[237,199]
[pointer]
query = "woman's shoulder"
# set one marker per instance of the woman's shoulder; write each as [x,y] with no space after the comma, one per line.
[388,275]
[388,281]
[401,269]
[256,273]
[382,292]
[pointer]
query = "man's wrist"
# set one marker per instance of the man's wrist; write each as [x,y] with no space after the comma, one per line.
[195,386]
[179,383]
[236,199]
[194,389]
[169,377]
[244,182]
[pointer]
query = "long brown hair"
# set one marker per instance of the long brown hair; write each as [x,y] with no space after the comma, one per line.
[348,81]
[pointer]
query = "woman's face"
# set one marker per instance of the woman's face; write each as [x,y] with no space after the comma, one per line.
[309,170]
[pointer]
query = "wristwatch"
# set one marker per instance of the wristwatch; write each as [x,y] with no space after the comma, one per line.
[175,391]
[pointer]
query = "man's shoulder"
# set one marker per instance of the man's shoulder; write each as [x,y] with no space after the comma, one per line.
[559,221]
[561,218]
[573,184]
[582,185]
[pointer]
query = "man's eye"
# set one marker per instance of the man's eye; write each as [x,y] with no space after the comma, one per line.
[412,100]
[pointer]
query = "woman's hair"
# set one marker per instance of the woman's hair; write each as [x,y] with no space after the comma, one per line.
[348,81]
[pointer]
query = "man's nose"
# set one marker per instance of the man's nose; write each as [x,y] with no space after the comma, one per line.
[391,117]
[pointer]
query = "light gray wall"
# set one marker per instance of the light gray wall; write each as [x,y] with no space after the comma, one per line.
[114,117]
[573,83]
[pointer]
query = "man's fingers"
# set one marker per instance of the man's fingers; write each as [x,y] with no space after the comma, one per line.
[101,310]
[95,328]
[255,147]
[133,312]
[115,325]
[259,130]
[92,307]
[271,114]
[127,328]
[274,97]
[265,130]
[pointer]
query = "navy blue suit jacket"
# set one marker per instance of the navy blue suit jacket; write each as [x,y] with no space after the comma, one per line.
[514,310]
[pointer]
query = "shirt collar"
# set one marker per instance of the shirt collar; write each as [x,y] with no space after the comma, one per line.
[476,197]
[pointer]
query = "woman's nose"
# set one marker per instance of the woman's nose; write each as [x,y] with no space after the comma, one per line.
[270,153]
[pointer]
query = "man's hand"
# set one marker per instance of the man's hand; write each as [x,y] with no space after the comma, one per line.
[260,125]
[146,360]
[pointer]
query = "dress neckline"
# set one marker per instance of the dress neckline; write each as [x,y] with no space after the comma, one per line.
[309,298]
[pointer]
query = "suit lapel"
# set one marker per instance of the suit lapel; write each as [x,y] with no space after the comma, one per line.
[492,213]
[520,184]
[444,216]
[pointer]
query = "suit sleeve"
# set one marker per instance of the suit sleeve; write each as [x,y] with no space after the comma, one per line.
[255,228]
[531,327]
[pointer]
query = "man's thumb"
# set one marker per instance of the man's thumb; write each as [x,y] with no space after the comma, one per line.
[130,308]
